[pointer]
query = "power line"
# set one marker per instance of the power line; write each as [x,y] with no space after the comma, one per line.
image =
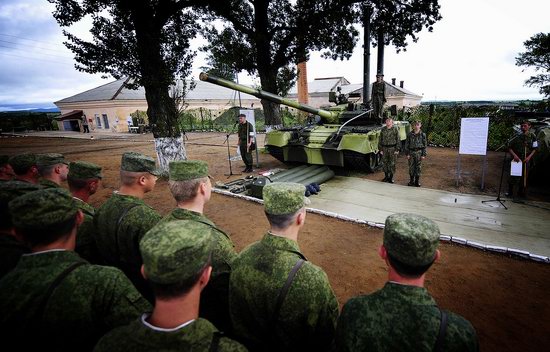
[53,55]
[37,59]
[32,40]
[30,46]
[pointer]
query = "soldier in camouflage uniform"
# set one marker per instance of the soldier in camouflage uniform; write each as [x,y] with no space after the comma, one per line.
[191,187]
[54,300]
[378,96]
[177,263]
[415,150]
[11,245]
[403,316]
[53,168]
[389,145]
[522,148]
[246,137]
[124,218]
[24,167]
[278,300]
[6,171]
[84,179]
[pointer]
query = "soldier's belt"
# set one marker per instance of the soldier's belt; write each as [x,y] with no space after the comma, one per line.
[389,145]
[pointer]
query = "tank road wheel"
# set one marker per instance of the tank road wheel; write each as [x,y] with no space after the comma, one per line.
[276,152]
[364,162]
[374,161]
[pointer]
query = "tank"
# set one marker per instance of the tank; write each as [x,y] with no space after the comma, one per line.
[345,135]
[540,126]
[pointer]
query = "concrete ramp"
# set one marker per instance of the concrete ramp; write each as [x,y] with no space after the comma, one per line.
[521,228]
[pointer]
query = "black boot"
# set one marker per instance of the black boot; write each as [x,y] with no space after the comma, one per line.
[390,178]
[417,181]
[411,182]
[385,177]
[510,192]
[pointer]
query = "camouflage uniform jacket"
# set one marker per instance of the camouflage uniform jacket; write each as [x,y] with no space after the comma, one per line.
[416,143]
[307,318]
[85,239]
[523,143]
[214,298]
[10,252]
[244,132]
[139,336]
[120,223]
[45,183]
[389,138]
[86,304]
[400,318]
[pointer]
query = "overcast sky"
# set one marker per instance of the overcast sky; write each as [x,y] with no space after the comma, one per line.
[470,54]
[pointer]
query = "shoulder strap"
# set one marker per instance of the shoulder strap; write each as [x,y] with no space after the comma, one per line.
[54,285]
[215,341]
[284,290]
[119,221]
[442,330]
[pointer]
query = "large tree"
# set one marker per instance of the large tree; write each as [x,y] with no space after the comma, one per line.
[268,37]
[145,40]
[537,56]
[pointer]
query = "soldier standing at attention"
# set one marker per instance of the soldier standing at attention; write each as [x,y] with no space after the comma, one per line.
[378,96]
[6,171]
[53,300]
[279,301]
[415,150]
[124,218]
[24,167]
[84,179]
[191,187]
[389,145]
[522,148]
[402,316]
[177,263]
[53,168]
[246,136]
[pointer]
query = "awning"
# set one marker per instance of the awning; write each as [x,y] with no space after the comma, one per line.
[73,115]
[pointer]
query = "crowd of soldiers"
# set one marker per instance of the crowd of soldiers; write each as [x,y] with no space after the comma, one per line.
[123,278]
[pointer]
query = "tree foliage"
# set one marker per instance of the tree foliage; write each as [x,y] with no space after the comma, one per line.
[268,37]
[146,40]
[537,55]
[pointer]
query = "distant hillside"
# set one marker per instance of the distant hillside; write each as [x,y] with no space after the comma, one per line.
[40,107]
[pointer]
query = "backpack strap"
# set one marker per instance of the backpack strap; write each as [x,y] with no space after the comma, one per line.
[119,221]
[284,290]
[442,330]
[215,341]
[54,285]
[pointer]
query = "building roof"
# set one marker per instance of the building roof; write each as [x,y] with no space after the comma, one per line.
[203,91]
[71,115]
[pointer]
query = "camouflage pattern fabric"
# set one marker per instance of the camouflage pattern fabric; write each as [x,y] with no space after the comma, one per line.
[120,224]
[522,145]
[284,198]
[378,98]
[389,143]
[137,336]
[45,183]
[183,170]
[415,146]
[88,303]
[214,298]
[22,162]
[10,252]
[136,162]
[244,135]
[307,317]
[49,159]
[85,238]
[400,318]
[82,170]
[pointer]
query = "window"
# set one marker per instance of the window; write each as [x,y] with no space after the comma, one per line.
[98,121]
[105,121]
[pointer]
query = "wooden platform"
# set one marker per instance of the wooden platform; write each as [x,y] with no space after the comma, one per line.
[523,227]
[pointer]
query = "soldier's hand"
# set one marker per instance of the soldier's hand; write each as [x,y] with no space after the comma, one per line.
[423,158]
[516,159]
[381,153]
[408,157]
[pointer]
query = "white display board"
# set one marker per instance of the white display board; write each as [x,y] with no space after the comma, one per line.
[473,135]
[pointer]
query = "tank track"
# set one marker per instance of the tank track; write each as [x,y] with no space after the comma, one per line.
[367,162]
[277,153]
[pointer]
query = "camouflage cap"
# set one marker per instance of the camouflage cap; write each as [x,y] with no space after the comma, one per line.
[42,208]
[13,189]
[22,161]
[412,239]
[187,170]
[49,159]
[136,162]
[4,159]
[284,198]
[176,250]
[83,170]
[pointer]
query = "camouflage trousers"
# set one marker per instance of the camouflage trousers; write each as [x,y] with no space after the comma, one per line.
[245,155]
[388,160]
[415,163]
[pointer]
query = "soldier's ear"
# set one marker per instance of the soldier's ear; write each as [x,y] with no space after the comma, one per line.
[79,218]
[437,255]
[382,252]
[205,277]
[142,270]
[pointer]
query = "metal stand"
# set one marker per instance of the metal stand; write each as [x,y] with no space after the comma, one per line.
[229,153]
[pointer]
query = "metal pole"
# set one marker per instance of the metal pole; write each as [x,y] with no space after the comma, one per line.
[380,62]
[366,57]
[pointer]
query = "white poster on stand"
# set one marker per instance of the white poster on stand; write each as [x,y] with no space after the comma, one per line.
[473,135]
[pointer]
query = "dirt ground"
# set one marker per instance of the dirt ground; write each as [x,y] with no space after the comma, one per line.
[505,298]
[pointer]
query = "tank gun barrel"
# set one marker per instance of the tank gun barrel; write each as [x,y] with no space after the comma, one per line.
[262,94]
